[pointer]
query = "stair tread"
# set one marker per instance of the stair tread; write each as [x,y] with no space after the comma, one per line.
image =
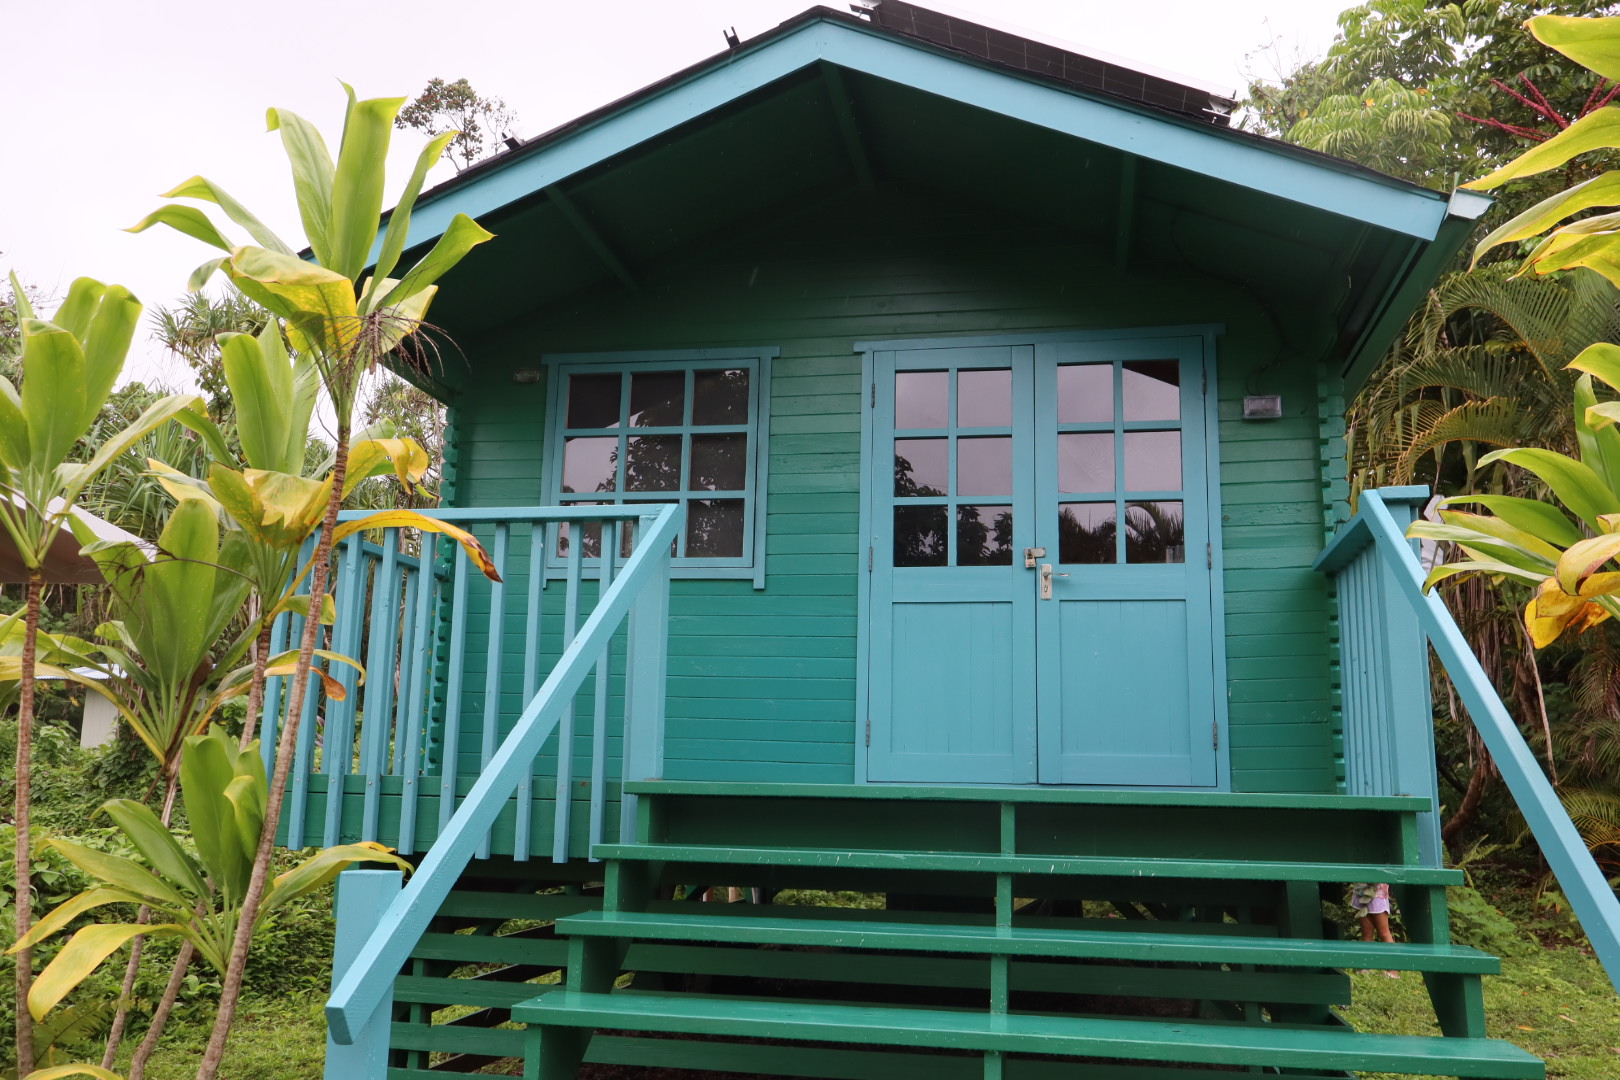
[985,862]
[1034,941]
[1128,1039]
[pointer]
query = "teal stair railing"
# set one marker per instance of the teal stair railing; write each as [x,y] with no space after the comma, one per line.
[635,597]
[1385,618]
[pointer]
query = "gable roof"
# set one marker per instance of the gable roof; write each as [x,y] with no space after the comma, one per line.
[828,99]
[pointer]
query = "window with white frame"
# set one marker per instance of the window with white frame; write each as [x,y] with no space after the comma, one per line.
[661,427]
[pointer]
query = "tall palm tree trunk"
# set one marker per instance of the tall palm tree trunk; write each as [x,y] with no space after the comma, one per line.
[231,988]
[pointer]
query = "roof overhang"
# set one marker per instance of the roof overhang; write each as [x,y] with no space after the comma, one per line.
[1386,237]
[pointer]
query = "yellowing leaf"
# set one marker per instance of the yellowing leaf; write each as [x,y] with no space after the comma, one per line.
[385,519]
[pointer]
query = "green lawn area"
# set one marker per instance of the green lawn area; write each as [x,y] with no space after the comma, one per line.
[273,1039]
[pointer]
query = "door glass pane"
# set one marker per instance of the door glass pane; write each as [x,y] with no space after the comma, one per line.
[921,466]
[922,399]
[720,462]
[655,463]
[1152,390]
[984,398]
[1152,460]
[593,401]
[919,535]
[720,397]
[1086,533]
[984,465]
[1154,533]
[984,536]
[589,464]
[1086,462]
[714,528]
[1085,393]
[657,398]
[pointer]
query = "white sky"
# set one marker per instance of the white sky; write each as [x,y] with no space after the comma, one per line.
[109,102]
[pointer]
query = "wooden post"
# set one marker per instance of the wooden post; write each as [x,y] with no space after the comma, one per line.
[362,897]
[1407,671]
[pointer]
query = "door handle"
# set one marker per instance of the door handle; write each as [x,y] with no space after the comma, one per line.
[1046,580]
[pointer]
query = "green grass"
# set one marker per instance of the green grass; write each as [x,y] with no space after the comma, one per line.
[273,1039]
[1556,1003]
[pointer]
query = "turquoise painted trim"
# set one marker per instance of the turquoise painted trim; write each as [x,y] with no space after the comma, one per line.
[495,630]
[367,981]
[1217,557]
[564,803]
[531,682]
[349,598]
[1184,144]
[362,897]
[378,701]
[863,578]
[646,654]
[486,514]
[1045,337]
[450,740]
[411,581]
[612,545]
[757,361]
[427,605]
[1589,894]
[270,713]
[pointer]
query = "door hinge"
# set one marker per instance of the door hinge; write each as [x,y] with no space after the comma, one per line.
[868,731]
[868,558]
[1209,555]
[874,395]
[1215,733]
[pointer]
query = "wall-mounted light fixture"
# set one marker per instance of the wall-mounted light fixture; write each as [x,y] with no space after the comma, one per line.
[526,375]
[1262,407]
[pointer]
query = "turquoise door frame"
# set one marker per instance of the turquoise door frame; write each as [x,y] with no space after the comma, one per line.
[967,676]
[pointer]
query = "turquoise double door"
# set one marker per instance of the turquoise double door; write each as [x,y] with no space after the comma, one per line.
[1040,594]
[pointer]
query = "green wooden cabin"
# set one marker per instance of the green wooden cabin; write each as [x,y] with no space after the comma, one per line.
[911,453]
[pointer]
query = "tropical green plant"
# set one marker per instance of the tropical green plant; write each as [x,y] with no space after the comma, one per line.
[345,322]
[199,898]
[70,364]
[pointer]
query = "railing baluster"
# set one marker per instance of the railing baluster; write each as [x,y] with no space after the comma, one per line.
[270,710]
[410,580]
[563,794]
[492,662]
[337,744]
[304,748]
[604,669]
[451,743]
[641,754]
[521,839]
[427,591]
[377,703]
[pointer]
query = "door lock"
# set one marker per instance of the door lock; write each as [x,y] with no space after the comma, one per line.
[1031,554]
[1046,580]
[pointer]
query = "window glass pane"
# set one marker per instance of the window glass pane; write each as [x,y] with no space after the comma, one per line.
[655,463]
[984,536]
[1152,460]
[593,401]
[1086,533]
[919,535]
[1085,462]
[714,528]
[921,466]
[591,530]
[1152,390]
[1085,393]
[984,398]
[590,464]
[1154,533]
[922,399]
[720,462]
[984,465]
[657,398]
[720,397]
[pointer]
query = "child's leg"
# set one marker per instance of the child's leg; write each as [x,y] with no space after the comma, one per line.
[1379,920]
[1367,928]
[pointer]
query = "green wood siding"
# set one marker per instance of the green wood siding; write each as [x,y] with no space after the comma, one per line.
[762,683]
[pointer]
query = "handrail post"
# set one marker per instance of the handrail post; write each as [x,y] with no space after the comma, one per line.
[362,897]
[646,666]
[1406,669]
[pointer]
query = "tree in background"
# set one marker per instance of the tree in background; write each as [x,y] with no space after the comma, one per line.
[445,107]
[191,328]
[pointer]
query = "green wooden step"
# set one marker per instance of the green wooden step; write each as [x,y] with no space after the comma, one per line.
[1131,1040]
[1030,794]
[1073,865]
[1029,941]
